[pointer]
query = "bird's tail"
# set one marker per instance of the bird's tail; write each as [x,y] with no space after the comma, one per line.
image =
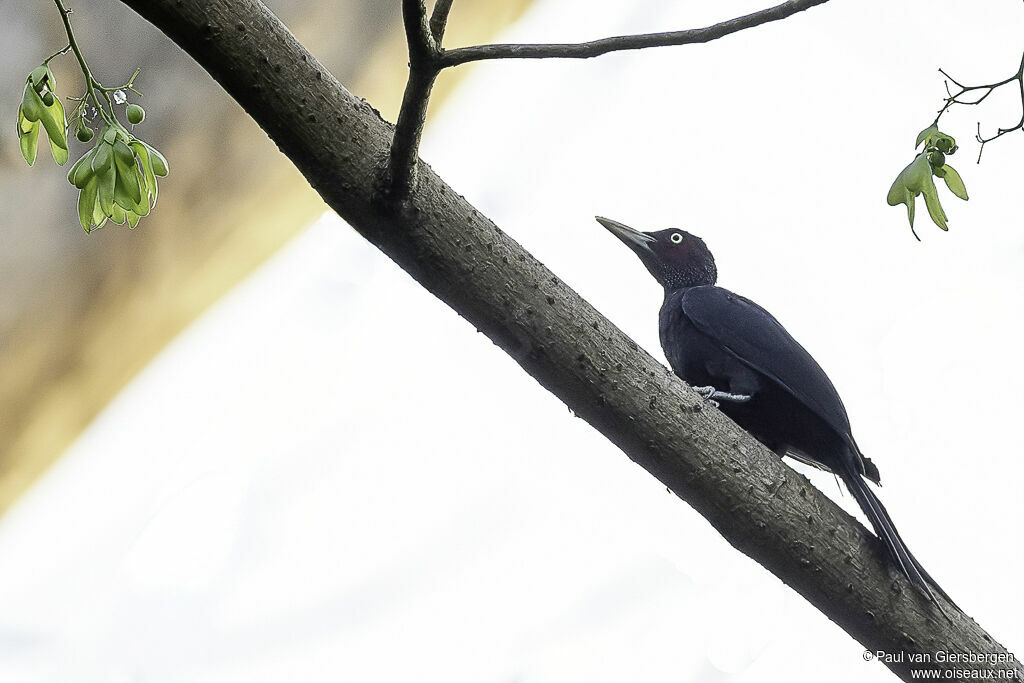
[886,531]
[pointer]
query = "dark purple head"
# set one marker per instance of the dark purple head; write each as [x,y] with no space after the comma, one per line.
[675,258]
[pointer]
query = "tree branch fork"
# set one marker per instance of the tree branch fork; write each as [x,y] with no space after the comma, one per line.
[427,58]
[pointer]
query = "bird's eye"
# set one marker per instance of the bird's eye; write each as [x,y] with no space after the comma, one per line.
[676,238]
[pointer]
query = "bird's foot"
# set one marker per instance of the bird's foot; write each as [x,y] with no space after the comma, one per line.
[713,396]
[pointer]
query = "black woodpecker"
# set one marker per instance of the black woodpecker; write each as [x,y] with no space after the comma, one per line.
[733,352]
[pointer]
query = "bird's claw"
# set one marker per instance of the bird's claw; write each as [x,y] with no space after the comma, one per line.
[713,396]
[705,392]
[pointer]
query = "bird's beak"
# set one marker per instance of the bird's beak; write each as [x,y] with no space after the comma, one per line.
[634,239]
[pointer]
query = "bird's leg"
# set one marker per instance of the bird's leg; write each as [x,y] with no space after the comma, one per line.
[714,395]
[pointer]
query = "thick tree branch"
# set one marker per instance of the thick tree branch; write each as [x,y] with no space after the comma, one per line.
[596,48]
[759,505]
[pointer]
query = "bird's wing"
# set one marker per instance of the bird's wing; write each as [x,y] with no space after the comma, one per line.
[758,340]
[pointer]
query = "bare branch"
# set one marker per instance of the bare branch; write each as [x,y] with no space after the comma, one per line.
[439,19]
[603,46]
[413,115]
[417,33]
[1003,131]
[759,505]
[427,59]
[988,88]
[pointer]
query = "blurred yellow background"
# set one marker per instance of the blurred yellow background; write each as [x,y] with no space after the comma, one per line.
[81,314]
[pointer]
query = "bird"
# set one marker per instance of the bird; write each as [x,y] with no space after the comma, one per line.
[736,354]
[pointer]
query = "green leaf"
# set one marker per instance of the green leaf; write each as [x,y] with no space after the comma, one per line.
[81,171]
[918,175]
[60,154]
[59,132]
[56,129]
[53,121]
[127,173]
[925,134]
[123,154]
[931,200]
[127,190]
[913,180]
[102,158]
[87,203]
[133,219]
[24,125]
[158,160]
[29,141]
[32,105]
[118,214]
[121,197]
[147,169]
[105,190]
[910,183]
[98,217]
[954,182]
[898,193]
[38,76]
[142,206]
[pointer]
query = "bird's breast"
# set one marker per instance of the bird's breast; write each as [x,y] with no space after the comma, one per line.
[697,358]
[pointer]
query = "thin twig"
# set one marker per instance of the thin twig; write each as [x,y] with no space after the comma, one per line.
[58,53]
[603,46]
[1003,131]
[439,19]
[427,59]
[988,88]
[93,88]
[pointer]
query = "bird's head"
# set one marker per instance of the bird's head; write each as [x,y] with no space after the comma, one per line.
[675,258]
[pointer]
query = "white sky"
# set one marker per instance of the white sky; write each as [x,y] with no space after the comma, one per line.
[331,477]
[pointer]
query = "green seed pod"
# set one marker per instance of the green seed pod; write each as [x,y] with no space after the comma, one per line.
[135,113]
[84,133]
[936,158]
[48,98]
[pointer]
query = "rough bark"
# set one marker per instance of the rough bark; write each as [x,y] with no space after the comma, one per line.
[759,505]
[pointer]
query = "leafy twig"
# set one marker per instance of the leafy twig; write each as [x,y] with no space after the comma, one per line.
[117,177]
